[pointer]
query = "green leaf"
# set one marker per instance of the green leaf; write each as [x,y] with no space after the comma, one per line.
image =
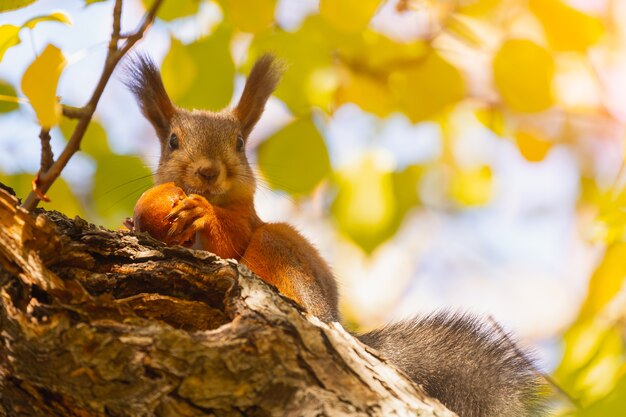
[94,143]
[6,5]
[425,89]
[118,182]
[523,73]
[60,17]
[9,36]
[61,195]
[295,159]
[39,84]
[308,54]
[200,75]
[7,89]
[372,201]
[364,208]
[613,404]
[170,10]
[250,16]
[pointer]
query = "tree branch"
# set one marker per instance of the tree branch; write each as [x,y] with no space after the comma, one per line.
[84,115]
[101,323]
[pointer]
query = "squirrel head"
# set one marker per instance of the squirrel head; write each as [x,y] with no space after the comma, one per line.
[203,152]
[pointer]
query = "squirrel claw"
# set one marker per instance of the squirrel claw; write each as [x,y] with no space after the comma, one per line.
[187,218]
[129,224]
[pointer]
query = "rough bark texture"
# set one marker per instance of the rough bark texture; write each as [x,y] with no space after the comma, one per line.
[101,323]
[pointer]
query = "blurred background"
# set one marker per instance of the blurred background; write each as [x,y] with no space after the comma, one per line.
[451,154]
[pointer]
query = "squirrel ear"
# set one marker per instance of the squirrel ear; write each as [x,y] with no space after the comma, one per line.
[261,82]
[143,79]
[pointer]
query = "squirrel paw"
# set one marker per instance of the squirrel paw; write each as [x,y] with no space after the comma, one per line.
[188,217]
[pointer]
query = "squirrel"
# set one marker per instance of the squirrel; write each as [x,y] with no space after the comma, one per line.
[474,370]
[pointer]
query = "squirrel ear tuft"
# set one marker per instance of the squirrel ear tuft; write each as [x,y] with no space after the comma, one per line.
[142,77]
[261,82]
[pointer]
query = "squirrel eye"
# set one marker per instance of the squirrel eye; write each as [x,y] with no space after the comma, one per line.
[240,143]
[173,141]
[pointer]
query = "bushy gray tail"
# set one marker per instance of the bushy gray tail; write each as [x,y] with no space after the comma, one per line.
[472,368]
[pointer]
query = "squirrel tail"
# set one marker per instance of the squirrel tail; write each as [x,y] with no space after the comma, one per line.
[470,367]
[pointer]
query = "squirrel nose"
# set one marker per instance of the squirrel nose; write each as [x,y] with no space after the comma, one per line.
[208,173]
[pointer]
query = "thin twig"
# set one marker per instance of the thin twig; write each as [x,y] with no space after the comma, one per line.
[521,355]
[114,55]
[117,17]
[147,21]
[47,158]
[72,112]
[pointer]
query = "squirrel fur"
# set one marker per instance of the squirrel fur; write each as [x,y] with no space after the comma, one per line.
[472,369]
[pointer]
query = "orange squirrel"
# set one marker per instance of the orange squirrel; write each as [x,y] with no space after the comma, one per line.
[471,369]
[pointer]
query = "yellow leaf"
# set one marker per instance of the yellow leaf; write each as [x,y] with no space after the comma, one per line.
[170,10]
[7,5]
[321,85]
[566,28]
[60,17]
[250,16]
[479,7]
[465,28]
[369,92]
[611,220]
[378,53]
[472,187]
[193,80]
[607,280]
[493,119]
[39,84]
[9,36]
[428,87]
[368,62]
[532,147]
[592,360]
[523,73]
[348,15]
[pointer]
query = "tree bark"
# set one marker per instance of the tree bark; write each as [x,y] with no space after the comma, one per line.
[95,322]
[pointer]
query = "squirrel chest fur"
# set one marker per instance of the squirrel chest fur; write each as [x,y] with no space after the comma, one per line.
[470,368]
